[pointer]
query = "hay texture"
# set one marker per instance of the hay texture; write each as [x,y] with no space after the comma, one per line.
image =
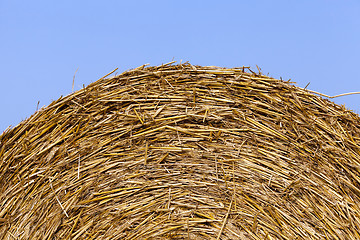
[183,152]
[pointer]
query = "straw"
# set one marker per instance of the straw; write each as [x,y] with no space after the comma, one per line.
[179,151]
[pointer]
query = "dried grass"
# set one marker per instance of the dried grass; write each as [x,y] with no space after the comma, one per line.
[183,152]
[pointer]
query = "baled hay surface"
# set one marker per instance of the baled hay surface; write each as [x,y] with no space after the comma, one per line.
[183,152]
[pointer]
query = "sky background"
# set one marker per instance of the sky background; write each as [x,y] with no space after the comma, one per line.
[43,43]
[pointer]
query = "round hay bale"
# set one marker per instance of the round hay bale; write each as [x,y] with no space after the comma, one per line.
[183,152]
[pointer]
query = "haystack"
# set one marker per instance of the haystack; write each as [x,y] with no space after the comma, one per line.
[183,152]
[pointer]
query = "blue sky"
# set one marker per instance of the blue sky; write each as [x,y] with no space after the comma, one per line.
[43,43]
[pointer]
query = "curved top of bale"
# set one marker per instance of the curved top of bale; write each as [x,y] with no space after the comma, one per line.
[183,152]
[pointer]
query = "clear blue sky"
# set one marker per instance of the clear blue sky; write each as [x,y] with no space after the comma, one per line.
[44,42]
